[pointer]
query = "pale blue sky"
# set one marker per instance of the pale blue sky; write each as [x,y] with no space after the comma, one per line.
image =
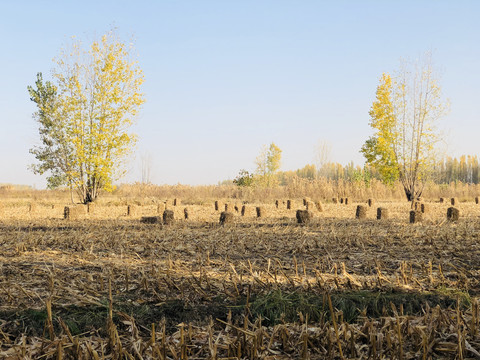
[225,77]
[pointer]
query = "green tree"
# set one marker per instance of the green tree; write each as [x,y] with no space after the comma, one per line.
[84,117]
[55,153]
[244,178]
[268,163]
[403,116]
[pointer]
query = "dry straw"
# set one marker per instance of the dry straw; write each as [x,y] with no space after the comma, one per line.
[160,208]
[168,217]
[91,208]
[132,210]
[361,212]
[310,205]
[67,214]
[424,208]
[382,213]
[260,212]
[226,218]
[453,214]
[304,216]
[74,212]
[415,216]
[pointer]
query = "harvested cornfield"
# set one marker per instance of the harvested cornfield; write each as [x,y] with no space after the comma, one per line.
[116,286]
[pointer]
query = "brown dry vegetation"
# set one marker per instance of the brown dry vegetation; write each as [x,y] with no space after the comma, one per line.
[109,286]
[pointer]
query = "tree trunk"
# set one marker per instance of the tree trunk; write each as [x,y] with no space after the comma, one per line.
[412,194]
[91,190]
[88,198]
[71,193]
[409,194]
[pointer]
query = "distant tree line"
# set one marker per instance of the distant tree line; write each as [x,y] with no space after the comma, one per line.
[333,171]
[465,169]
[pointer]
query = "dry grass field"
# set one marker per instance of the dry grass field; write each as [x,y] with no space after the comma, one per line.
[106,285]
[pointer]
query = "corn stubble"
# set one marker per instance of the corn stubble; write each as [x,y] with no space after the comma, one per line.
[109,286]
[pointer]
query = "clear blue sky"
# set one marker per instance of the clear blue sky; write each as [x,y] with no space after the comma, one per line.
[225,77]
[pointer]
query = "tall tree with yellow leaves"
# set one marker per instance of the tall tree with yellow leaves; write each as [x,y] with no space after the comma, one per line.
[404,116]
[268,163]
[84,116]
